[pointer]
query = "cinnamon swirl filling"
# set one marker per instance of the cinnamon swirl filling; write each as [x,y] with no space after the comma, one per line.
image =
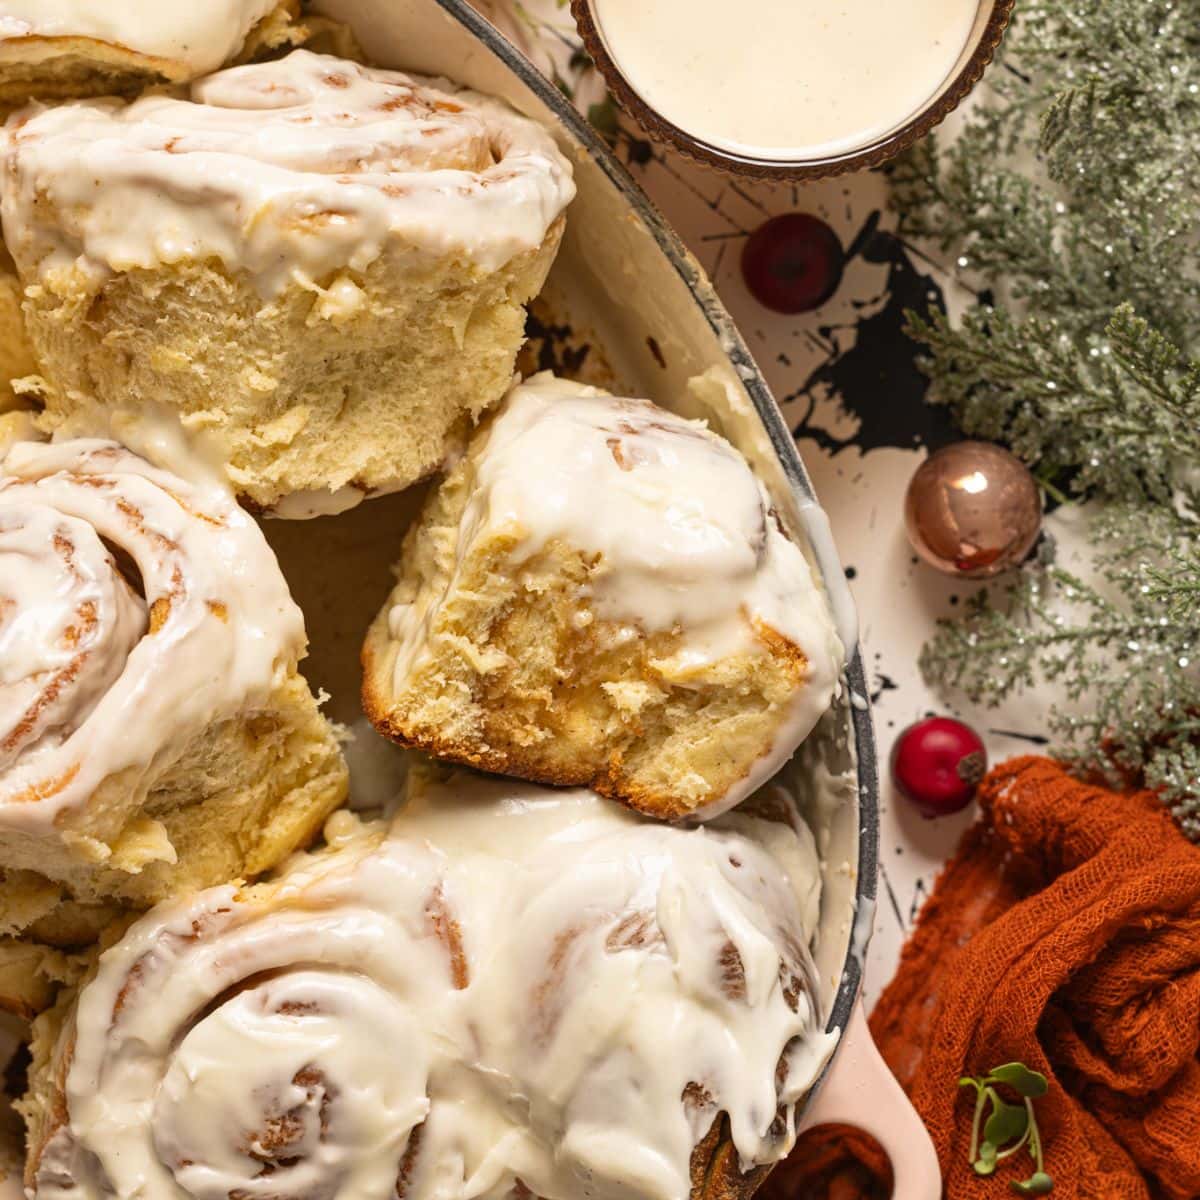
[136,609]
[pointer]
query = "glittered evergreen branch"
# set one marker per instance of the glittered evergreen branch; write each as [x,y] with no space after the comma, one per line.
[1113,416]
[1074,189]
[1070,199]
[1125,667]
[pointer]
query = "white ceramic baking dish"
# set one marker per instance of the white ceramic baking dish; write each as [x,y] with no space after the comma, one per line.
[624,277]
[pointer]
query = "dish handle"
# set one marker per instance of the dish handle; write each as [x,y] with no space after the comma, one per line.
[859,1090]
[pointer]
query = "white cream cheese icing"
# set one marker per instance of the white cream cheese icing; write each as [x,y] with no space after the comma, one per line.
[515,991]
[290,171]
[685,533]
[189,37]
[99,674]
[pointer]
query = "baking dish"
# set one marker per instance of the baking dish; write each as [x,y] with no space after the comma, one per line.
[626,286]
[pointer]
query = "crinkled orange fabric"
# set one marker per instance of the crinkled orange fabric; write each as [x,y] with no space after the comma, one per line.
[832,1162]
[1064,933]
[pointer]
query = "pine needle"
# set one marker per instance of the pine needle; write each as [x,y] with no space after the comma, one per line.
[1073,196]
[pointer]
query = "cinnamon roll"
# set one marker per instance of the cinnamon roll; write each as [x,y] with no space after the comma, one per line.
[513,992]
[154,732]
[65,48]
[16,353]
[317,266]
[601,594]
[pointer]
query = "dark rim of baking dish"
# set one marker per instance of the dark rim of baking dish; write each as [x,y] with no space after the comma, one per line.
[860,159]
[785,451]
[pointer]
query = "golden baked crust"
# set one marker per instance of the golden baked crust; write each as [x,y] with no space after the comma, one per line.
[716,1174]
[66,67]
[44,1106]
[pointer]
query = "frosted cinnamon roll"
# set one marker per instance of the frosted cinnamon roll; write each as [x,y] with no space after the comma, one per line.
[65,48]
[154,731]
[318,266]
[601,594]
[512,992]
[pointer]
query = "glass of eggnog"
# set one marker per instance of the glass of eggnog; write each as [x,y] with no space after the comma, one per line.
[793,89]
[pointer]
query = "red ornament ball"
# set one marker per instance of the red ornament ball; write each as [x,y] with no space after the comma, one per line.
[937,765]
[793,263]
[973,510]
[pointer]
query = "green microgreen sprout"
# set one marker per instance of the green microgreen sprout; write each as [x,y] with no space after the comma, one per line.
[999,1129]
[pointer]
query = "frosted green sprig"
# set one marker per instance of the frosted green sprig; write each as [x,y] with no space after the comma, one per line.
[1070,200]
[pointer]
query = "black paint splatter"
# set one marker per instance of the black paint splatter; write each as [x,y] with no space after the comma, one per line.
[1037,739]
[920,893]
[877,380]
[891,895]
[638,151]
[551,347]
[883,683]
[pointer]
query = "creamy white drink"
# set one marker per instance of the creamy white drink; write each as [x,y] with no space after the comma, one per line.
[786,79]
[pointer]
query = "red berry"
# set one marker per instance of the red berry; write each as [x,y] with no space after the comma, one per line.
[792,263]
[937,764]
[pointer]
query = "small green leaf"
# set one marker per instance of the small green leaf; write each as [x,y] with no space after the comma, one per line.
[1007,1122]
[1038,1184]
[985,1164]
[1020,1078]
[970,1081]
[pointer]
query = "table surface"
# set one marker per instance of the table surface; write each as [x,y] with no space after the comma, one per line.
[847,380]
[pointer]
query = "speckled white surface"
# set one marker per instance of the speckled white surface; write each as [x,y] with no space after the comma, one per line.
[847,381]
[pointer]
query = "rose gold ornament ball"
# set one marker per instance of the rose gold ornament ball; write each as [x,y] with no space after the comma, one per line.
[973,510]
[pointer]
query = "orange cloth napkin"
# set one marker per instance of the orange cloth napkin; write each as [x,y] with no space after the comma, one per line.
[1065,934]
